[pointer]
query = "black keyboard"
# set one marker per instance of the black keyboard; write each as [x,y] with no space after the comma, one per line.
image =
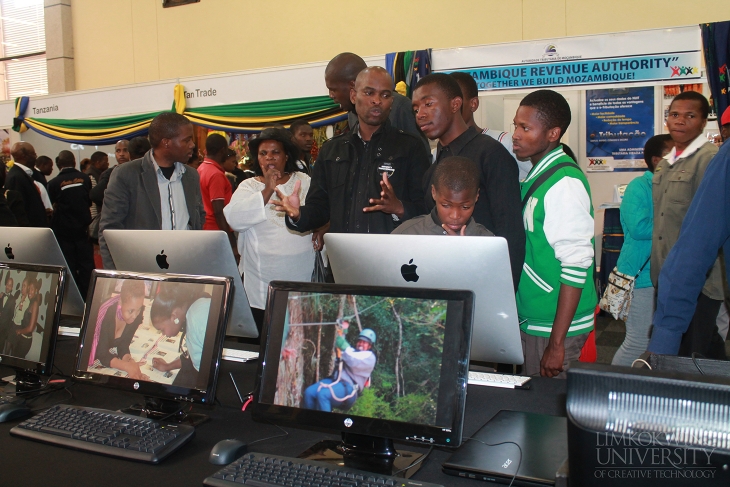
[263,470]
[106,432]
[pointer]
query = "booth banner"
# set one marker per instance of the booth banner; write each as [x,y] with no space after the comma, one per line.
[641,56]
[618,124]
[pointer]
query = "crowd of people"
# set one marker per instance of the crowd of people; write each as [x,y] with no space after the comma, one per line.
[380,176]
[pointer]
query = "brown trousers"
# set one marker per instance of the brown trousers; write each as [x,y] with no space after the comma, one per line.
[533,347]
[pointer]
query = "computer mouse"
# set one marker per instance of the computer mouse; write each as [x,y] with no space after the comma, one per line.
[224,452]
[10,412]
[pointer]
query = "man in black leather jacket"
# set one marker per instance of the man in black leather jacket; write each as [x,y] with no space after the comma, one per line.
[368,180]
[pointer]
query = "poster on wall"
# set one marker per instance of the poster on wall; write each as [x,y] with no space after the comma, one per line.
[618,124]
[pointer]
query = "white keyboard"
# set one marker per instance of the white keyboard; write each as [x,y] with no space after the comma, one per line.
[496,380]
[238,355]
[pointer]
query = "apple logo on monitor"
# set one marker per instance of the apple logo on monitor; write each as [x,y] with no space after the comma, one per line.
[408,271]
[162,260]
[9,252]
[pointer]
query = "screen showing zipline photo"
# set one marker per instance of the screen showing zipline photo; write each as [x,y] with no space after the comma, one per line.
[371,356]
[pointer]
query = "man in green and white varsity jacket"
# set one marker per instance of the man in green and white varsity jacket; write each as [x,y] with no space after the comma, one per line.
[556,297]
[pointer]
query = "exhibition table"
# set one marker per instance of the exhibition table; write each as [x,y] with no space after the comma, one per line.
[27,463]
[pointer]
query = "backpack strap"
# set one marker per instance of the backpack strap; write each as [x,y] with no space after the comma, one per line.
[544,177]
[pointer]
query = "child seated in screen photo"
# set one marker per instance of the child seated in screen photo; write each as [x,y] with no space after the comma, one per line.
[455,191]
[351,374]
[556,297]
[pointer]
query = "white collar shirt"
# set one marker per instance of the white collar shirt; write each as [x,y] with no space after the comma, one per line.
[173,207]
[693,147]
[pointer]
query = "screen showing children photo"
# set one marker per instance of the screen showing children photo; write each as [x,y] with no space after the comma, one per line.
[151,330]
[371,356]
[28,301]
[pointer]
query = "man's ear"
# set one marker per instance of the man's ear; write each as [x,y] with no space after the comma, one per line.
[477,198]
[456,103]
[352,94]
[554,134]
[433,192]
[474,104]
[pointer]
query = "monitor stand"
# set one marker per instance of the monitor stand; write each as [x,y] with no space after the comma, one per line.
[25,383]
[364,452]
[166,410]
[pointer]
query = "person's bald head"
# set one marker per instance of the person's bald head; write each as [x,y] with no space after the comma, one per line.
[340,75]
[372,96]
[23,153]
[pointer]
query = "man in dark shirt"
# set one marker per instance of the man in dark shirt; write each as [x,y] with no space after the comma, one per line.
[368,180]
[44,164]
[121,154]
[340,75]
[69,193]
[19,178]
[437,102]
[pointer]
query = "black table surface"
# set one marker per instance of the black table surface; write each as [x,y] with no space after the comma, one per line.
[28,463]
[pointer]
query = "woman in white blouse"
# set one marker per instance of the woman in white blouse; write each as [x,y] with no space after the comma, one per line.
[269,250]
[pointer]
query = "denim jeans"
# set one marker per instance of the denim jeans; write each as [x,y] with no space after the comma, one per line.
[638,324]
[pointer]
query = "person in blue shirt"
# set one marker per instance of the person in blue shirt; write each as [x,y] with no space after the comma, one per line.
[705,230]
[637,221]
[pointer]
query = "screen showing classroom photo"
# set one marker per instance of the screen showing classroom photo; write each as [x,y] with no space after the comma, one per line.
[151,330]
[27,310]
[371,356]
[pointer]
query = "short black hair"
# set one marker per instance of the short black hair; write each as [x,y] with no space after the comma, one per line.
[66,158]
[345,66]
[166,125]
[95,157]
[467,84]
[43,160]
[654,147]
[215,143]
[552,108]
[457,174]
[138,147]
[296,124]
[694,96]
[445,83]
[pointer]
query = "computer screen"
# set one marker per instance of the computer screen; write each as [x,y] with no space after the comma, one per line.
[30,305]
[381,362]
[158,335]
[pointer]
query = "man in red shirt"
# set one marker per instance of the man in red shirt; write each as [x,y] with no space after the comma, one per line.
[215,186]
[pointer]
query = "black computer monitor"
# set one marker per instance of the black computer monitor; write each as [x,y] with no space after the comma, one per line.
[635,427]
[158,335]
[375,364]
[30,308]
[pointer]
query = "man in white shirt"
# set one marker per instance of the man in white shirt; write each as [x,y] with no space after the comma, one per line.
[157,192]
[471,104]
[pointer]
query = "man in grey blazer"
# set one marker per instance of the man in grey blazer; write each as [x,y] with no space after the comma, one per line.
[156,192]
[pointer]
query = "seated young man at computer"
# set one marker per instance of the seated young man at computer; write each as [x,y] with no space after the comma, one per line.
[556,297]
[455,190]
[344,387]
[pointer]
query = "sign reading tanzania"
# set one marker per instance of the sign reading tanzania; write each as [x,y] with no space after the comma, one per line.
[678,66]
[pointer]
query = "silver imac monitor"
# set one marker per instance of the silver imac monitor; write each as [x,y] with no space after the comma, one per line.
[200,253]
[39,246]
[479,264]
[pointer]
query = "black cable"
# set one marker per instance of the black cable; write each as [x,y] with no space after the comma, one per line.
[694,361]
[414,463]
[504,443]
[286,433]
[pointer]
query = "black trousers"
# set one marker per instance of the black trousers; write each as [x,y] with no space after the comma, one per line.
[79,255]
[702,336]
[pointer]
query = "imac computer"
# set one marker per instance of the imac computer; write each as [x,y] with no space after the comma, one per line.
[480,264]
[30,309]
[636,427]
[375,364]
[39,246]
[206,253]
[158,335]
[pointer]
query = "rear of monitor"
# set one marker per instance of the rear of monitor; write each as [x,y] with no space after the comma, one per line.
[480,264]
[203,252]
[33,358]
[630,427]
[441,331]
[39,246]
